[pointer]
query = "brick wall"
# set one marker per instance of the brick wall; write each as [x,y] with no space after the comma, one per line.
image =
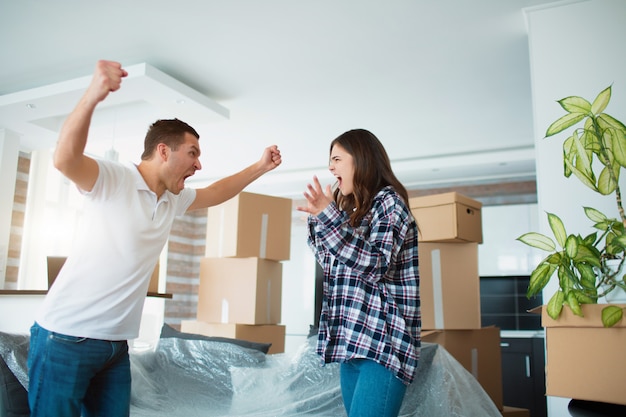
[185,249]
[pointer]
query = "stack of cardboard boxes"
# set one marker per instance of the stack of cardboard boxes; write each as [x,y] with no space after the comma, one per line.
[240,290]
[450,229]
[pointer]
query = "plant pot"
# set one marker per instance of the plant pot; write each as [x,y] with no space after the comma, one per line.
[571,340]
[618,295]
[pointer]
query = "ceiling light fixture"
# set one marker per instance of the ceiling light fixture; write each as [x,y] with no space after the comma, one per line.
[37,114]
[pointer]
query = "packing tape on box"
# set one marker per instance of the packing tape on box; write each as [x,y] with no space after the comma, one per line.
[268,307]
[437,289]
[220,234]
[224,310]
[263,242]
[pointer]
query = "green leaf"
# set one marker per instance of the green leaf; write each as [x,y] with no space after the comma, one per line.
[588,137]
[575,104]
[614,244]
[600,103]
[611,315]
[554,258]
[589,255]
[564,122]
[557,228]
[606,121]
[618,144]
[590,239]
[606,183]
[587,278]
[555,305]
[617,226]
[566,278]
[537,240]
[588,181]
[583,298]
[539,279]
[594,215]
[573,303]
[621,240]
[571,246]
[583,161]
[569,155]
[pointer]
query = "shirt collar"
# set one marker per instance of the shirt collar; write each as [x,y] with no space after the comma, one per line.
[141,184]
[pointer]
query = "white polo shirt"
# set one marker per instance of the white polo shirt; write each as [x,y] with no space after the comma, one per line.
[100,291]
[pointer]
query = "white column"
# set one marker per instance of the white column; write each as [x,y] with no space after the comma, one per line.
[575,50]
[9,154]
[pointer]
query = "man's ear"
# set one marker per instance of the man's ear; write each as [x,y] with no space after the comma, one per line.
[163,151]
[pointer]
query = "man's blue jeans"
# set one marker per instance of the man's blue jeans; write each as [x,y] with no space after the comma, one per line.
[370,389]
[72,375]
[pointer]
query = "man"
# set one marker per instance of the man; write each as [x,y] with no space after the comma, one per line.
[78,359]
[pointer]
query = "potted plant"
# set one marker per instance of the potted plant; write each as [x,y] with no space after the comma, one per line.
[585,265]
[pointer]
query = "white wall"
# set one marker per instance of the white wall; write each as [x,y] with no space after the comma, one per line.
[500,253]
[298,297]
[575,49]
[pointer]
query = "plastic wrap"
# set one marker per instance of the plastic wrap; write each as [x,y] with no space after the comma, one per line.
[189,378]
[14,351]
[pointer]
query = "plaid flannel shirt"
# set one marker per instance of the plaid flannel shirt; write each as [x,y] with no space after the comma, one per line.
[371,302]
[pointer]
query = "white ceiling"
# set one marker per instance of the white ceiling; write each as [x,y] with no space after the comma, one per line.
[444,84]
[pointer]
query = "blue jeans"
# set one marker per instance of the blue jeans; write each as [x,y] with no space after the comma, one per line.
[370,389]
[72,375]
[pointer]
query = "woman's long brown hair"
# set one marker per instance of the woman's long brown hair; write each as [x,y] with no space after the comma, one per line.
[372,172]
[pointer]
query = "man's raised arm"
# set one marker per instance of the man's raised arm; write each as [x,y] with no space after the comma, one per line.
[228,187]
[69,157]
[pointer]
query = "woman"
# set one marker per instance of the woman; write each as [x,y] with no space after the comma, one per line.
[365,238]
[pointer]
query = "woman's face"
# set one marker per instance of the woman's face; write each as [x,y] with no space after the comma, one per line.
[342,167]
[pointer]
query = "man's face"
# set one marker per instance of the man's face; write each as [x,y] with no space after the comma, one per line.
[183,163]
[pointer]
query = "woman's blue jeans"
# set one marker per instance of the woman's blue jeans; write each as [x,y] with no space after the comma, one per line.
[73,376]
[370,389]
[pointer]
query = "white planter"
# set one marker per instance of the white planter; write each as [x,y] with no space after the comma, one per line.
[618,295]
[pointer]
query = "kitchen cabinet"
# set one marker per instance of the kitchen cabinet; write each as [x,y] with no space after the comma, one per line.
[523,372]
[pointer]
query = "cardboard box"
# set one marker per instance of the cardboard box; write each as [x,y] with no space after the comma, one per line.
[508,411]
[449,285]
[478,351]
[268,333]
[240,290]
[585,360]
[447,217]
[250,225]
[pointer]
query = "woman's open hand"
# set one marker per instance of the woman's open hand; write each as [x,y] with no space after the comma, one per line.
[317,198]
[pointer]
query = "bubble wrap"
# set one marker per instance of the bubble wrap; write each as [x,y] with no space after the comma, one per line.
[189,378]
